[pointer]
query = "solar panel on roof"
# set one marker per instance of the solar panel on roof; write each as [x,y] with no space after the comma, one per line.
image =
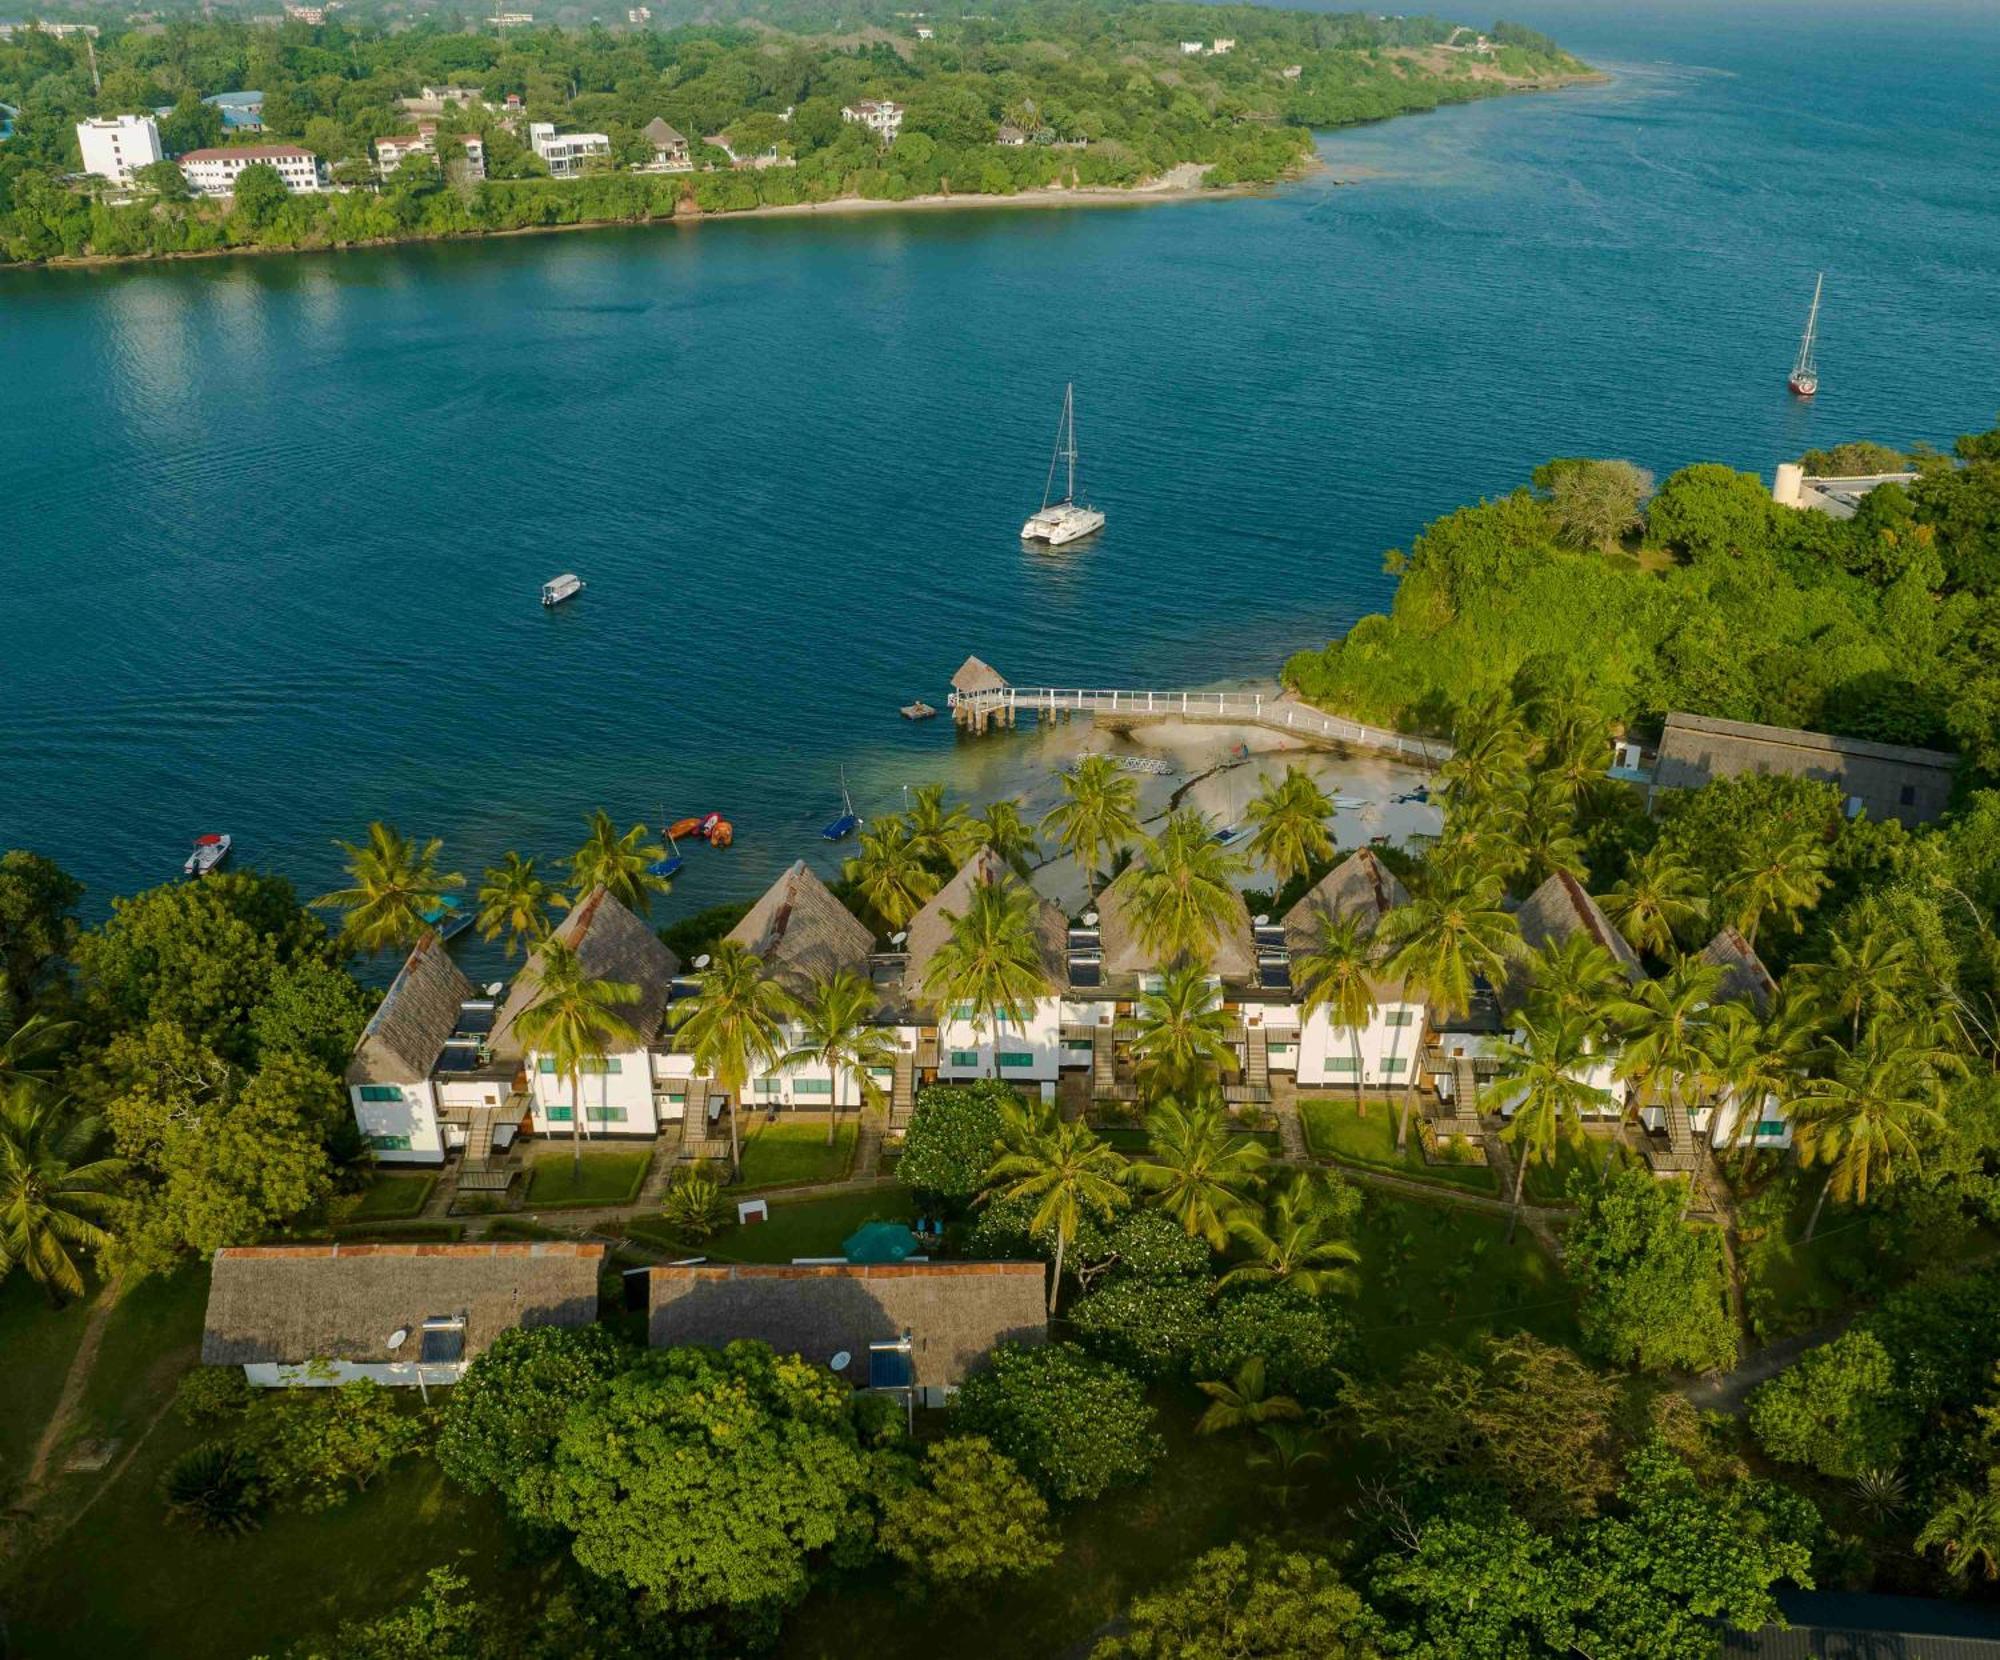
[458,1057]
[476,1017]
[889,1368]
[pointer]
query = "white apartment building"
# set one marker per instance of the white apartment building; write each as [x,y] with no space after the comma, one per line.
[564,153]
[1224,45]
[883,119]
[392,152]
[1321,1054]
[116,146]
[215,172]
[1191,48]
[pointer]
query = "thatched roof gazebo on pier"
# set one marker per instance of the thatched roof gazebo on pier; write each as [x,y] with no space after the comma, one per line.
[978,696]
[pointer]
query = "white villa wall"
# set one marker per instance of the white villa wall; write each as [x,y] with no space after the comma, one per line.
[1391,1046]
[410,1116]
[616,1101]
[330,1374]
[1771,1128]
[968,1045]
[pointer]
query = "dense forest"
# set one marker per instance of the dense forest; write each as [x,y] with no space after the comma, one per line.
[1704,596]
[1103,95]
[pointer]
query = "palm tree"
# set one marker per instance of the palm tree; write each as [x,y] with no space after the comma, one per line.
[890,873]
[1202,1174]
[1548,837]
[1865,1117]
[397,889]
[1294,1243]
[1757,1057]
[1181,894]
[1097,815]
[1577,978]
[838,1031]
[1010,837]
[1063,1168]
[992,961]
[514,901]
[31,1051]
[621,865]
[1871,970]
[1661,899]
[1539,1072]
[1245,1402]
[1452,933]
[1491,745]
[1183,1032]
[1966,1527]
[572,1018]
[1781,876]
[1288,1450]
[944,837]
[1484,834]
[1338,975]
[1668,1029]
[734,1026]
[52,1193]
[1290,814]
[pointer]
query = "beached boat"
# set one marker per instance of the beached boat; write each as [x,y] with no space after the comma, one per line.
[920,710]
[1067,520]
[209,851]
[849,821]
[566,586]
[1805,373]
[1230,834]
[447,917]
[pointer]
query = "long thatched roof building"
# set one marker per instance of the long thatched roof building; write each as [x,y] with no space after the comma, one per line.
[380,1311]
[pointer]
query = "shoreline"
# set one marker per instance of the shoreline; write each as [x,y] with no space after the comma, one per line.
[1160,190]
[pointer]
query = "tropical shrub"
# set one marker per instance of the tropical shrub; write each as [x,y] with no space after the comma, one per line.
[970,1517]
[1075,1426]
[1835,1408]
[214,1488]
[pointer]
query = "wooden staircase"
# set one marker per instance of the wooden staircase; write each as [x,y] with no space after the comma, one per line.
[903,1092]
[1257,1063]
[1103,1064]
[1678,1156]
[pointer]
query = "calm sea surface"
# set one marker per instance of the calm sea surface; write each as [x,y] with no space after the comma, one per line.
[273,529]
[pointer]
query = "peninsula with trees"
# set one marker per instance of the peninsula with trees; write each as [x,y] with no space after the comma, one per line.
[189,135]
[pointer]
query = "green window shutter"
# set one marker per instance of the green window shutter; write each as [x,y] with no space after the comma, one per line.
[1017,1060]
[389,1143]
[1395,1063]
[1398,1017]
[965,1011]
[1342,1063]
[812,1086]
[770,1086]
[546,1066]
[965,1057]
[677,1098]
[558,1115]
[605,1115]
[380,1092]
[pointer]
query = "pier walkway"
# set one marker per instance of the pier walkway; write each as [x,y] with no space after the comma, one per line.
[980,698]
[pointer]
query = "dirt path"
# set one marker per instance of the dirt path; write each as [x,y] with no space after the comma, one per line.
[21,1507]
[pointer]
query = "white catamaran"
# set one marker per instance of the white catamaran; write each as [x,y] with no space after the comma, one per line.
[1805,372]
[1066,520]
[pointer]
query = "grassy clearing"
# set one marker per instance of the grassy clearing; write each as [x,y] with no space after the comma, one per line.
[1334,1129]
[804,1228]
[152,1336]
[1548,1184]
[790,1155]
[37,1343]
[394,1197]
[556,1181]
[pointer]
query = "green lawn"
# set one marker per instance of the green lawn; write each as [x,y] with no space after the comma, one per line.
[153,1335]
[124,1582]
[804,1228]
[1334,1129]
[394,1196]
[1432,1273]
[785,1155]
[37,1343]
[607,1176]
[1548,1184]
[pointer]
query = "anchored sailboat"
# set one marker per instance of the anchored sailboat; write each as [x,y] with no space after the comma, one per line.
[849,821]
[1805,372]
[1066,520]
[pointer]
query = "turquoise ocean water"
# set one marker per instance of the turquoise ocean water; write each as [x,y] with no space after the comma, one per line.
[273,528]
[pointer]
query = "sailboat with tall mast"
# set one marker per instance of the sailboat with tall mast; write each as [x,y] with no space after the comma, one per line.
[1066,520]
[1805,372]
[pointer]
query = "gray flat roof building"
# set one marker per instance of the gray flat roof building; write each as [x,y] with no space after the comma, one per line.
[1887,781]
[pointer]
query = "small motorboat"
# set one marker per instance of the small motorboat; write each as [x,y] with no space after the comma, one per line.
[682,828]
[849,821]
[447,918]
[919,710]
[209,851]
[566,586]
[721,832]
[1229,835]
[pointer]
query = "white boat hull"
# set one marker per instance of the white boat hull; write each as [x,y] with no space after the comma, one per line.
[1058,525]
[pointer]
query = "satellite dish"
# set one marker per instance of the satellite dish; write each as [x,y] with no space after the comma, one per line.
[1090,919]
[399,1337]
[495,987]
[701,961]
[1262,919]
[898,939]
[840,1361]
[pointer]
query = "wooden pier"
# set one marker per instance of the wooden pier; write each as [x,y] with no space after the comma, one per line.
[981,699]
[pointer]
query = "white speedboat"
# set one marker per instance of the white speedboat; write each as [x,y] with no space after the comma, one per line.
[209,851]
[566,586]
[1067,520]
